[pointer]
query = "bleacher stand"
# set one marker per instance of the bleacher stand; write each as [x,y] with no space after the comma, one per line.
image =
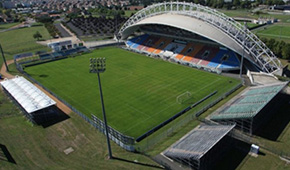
[202,147]
[249,110]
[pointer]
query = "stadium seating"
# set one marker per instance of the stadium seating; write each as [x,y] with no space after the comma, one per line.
[153,48]
[252,101]
[224,60]
[136,41]
[162,45]
[173,47]
[206,60]
[208,57]
[231,62]
[151,40]
[243,108]
[217,59]
[256,98]
[195,49]
[183,52]
[269,89]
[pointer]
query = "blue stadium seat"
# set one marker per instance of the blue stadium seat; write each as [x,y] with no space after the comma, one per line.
[231,62]
[217,59]
[138,40]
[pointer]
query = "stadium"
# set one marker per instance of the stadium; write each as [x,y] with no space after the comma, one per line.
[168,68]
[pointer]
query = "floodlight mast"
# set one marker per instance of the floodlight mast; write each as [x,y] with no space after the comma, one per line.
[98,65]
[242,59]
[7,69]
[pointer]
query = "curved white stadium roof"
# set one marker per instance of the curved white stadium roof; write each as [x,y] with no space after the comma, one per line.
[190,24]
[26,94]
[209,23]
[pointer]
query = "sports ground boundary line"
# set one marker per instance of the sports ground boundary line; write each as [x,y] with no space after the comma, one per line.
[166,108]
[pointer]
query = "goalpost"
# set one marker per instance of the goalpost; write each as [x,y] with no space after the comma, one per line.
[182,98]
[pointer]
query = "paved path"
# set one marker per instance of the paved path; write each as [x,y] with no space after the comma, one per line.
[62,31]
[59,104]
[71,37]
[3,70]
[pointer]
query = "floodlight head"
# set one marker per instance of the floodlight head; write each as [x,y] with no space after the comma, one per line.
[98,65]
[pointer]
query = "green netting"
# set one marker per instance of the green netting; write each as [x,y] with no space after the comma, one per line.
[269,89]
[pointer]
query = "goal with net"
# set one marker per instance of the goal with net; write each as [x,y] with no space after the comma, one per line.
[182,98]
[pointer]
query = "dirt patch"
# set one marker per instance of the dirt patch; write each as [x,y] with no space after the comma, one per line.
[3,70]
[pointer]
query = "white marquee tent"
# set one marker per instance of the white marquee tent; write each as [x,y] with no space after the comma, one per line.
[26,94]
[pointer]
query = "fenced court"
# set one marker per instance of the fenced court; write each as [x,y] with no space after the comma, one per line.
[139,92]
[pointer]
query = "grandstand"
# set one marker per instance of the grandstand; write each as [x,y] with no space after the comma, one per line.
[215,42]
[202,147]
[46,56]
[198,55]
[36,105]
[250,109]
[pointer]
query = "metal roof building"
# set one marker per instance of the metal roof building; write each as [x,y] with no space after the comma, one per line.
[30,99]
[249,109]
[200,147]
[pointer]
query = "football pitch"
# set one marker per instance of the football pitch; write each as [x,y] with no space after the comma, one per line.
[139,92]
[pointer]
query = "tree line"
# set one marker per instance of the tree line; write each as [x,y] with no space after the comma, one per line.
[280,48]
[218,3]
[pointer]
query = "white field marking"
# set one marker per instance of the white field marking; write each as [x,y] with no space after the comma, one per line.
[148,118]
[173,96]
[168,98]
[207,85]
[274,35]
[167,107]
[126,76]
[137,110]
[159,88]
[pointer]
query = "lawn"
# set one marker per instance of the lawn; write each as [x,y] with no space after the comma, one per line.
[21,41]
[266,160]
[244,13]
[6,26]
[35,147]
[128,13]
[276,31]
[139,92]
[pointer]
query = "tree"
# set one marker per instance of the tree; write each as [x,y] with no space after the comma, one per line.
[237,3]
[286,52]
[271,43]
[37,36]
[220,3]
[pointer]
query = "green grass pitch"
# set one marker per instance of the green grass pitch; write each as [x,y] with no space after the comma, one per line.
[277,31]
[139,92]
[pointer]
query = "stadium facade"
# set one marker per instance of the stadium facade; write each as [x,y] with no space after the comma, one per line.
[207,23]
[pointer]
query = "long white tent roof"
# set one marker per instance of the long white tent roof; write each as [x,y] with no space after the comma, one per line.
[26,94]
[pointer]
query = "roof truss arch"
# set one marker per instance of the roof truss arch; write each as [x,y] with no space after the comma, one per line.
[255,50]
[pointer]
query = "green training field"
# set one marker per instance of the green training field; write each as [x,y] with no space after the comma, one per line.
[139,92]
[6,26]
[21,41]
[278,32]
